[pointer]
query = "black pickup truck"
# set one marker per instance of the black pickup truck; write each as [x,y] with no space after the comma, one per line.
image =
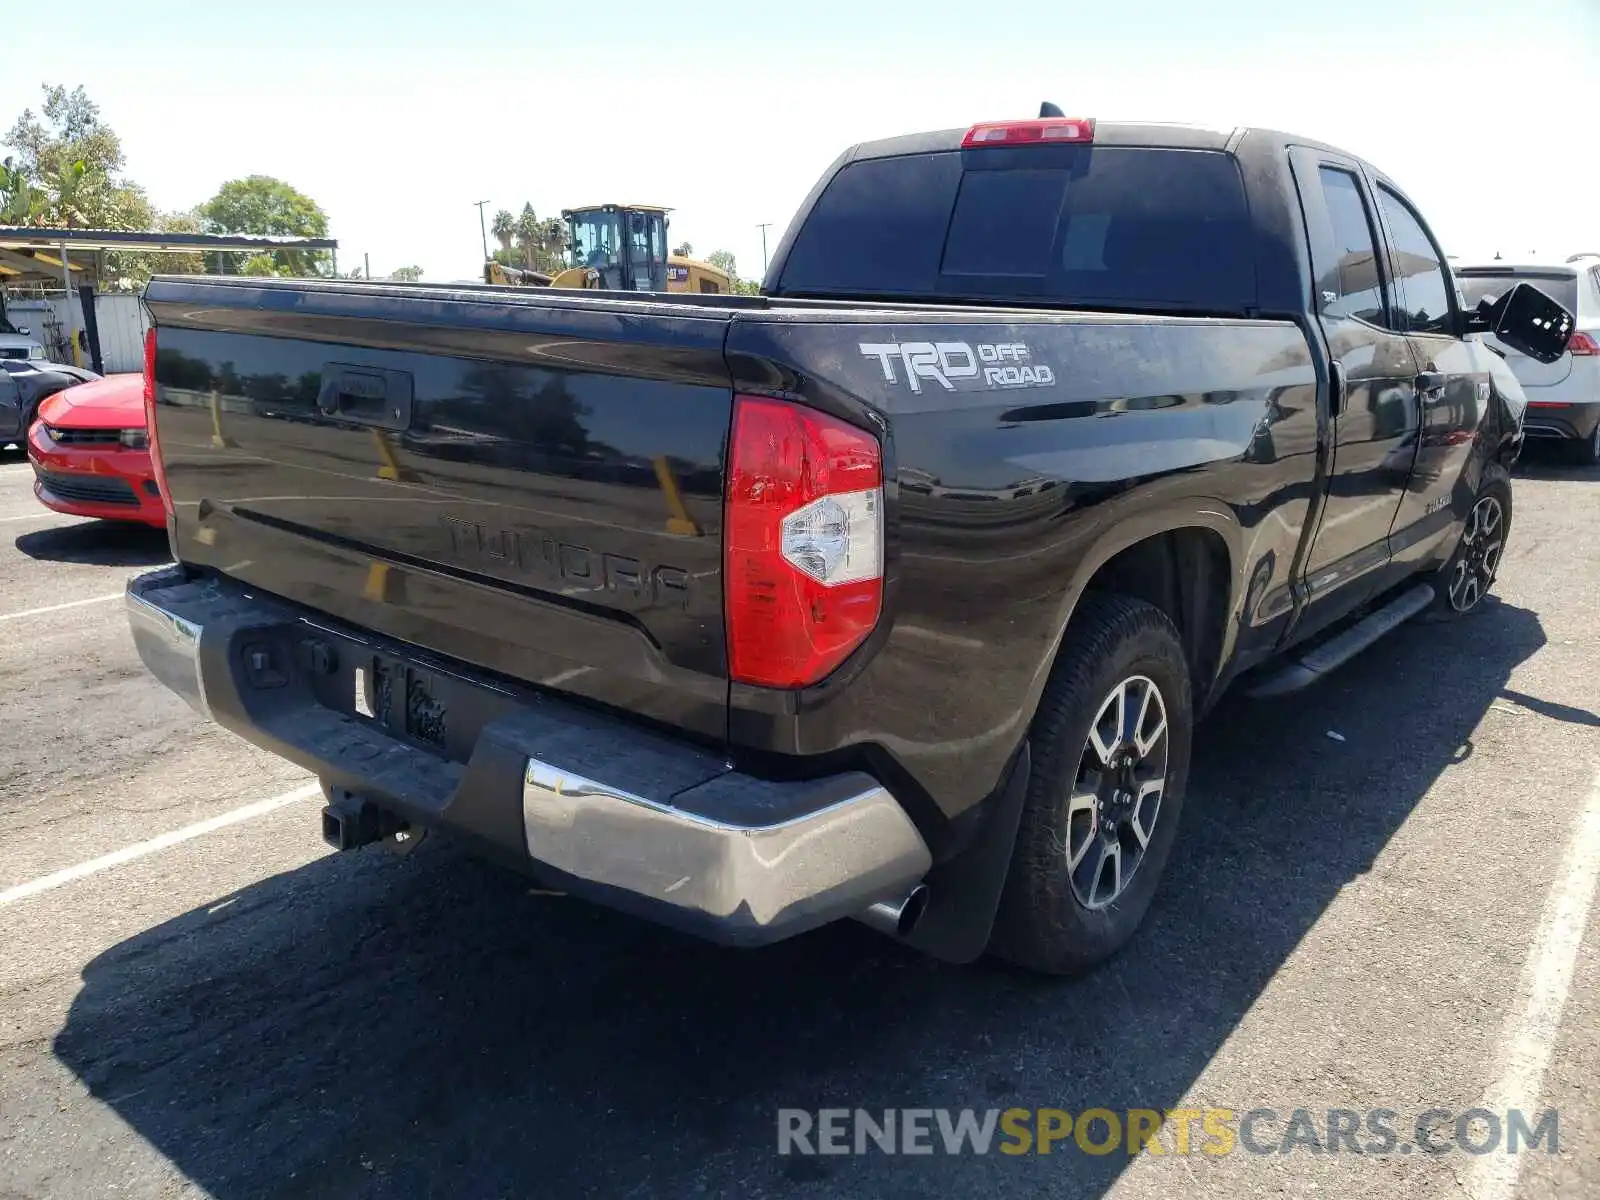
[892,593]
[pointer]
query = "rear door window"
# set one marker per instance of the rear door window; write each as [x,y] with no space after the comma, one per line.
[1113,226]
[1352,284]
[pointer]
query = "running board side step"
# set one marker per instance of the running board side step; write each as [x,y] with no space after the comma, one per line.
[1299,671]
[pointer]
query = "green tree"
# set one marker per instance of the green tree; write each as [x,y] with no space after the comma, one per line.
[68,194]
[66,171]
[262,205]
[740,287]
[66,133]
[540,243]
[504,229]
[406,274]
[685,249]
[19,199]
[527,231]
[552,244]
[72,162]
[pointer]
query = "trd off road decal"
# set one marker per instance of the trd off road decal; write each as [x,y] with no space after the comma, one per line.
[959,366]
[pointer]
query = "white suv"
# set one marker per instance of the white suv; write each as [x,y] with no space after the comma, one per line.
[1563,396]
[19,345]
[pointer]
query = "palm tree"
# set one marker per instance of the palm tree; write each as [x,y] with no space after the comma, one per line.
[528,236]
[504,228]
[552,244]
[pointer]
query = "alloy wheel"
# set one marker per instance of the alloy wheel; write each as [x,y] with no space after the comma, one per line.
[1116,797]
[1479,556]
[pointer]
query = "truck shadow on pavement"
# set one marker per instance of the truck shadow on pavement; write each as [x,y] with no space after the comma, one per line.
[102,543]
[367,1025]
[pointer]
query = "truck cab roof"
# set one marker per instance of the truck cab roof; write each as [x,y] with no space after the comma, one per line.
[932,217]
[1175,135]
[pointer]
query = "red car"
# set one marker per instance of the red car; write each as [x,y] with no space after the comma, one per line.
[90,455]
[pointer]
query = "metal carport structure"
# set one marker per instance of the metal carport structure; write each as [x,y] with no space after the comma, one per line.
[74,257]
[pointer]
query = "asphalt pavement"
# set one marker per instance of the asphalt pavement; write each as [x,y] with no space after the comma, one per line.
[1381,901]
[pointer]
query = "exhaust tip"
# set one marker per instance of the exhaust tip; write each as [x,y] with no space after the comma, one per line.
[897,918]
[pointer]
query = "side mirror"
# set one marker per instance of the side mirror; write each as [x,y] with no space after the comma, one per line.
[1527,320]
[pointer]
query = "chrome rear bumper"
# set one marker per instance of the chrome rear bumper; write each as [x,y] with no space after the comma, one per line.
[624,815]
[832,861]
[168,644]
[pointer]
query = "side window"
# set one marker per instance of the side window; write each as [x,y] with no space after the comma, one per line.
[1594,277]
[1351,285]
[1423,300]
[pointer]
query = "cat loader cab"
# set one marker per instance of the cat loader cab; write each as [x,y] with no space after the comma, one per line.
[615,247]
[623,248]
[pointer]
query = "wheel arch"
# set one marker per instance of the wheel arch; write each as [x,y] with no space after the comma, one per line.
[1187,561]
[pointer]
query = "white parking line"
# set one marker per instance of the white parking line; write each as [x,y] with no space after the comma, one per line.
[1546,980]
[50,608]
[140,849]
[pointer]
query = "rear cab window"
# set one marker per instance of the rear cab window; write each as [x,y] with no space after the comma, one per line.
[1094,226]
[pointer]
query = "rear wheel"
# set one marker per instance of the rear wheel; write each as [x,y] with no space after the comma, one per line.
[1111,759]
[1587,451]
[1466,579]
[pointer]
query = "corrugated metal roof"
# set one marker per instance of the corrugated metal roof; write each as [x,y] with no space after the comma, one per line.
[26,237]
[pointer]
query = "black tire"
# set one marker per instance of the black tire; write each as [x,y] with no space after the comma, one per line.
[1043,922]
[1587,452]
[1451,602]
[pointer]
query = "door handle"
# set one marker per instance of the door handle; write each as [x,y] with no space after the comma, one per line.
[366,395]
[1430,383]
[1336,388]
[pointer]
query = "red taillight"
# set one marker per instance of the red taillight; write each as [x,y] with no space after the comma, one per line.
[803,564]
[156,469]
[1045,131]
[1583,345]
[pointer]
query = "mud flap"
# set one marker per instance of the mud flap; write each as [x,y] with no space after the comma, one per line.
[964,892]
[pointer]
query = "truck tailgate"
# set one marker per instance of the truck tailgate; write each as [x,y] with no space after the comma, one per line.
[532,485]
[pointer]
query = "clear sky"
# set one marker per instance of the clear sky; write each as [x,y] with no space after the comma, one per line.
[397,116]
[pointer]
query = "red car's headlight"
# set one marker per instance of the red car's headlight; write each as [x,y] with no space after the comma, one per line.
[134,439]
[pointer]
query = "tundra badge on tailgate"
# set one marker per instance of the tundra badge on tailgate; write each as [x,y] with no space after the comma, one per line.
[988,364]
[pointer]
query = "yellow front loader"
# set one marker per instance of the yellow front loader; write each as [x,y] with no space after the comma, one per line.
[618,248]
